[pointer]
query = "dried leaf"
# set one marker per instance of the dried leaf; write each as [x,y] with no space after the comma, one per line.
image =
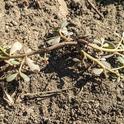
[96,42]
[64,24]
[11,77]
[99,42]
[117,34]
[123,34]
[25,77]
[31,65]
[8,98]
[97,71]
[122,46]
[27,50]
[106,57]
[76,60]
[106,64]
[65,32]
[15,47]
[102,40]
[54,40]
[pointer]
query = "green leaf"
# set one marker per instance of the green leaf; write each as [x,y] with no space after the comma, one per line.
[2,49]
[11,77]
[25,77]
[1,57]
[14,62]
[108,45]
[105,45]
[121,59]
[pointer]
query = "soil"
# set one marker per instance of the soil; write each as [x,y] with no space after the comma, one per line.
[93,100]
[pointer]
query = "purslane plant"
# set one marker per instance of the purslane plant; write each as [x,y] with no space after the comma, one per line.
[14,57]
[17,57]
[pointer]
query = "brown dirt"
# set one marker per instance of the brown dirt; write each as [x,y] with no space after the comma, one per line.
[94,100]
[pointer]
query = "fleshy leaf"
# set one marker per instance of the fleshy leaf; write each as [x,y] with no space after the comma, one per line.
[54,40]
[11,77]
[31,65]
[121,59]
[12,62]
[25,77]
[106,45]
[15,47]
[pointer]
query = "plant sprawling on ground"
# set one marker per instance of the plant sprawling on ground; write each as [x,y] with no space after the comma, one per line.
[100,52]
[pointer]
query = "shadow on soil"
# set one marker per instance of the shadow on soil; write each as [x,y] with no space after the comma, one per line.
[64,66]
[107,2]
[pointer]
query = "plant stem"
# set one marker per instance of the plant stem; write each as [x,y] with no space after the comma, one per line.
[42,51]
[20,68]
[105,49]
[99,63]
[4,52]
[114,69]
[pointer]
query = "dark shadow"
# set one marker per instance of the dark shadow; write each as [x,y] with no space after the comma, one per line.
[2,102]
[63,65]
[29,4]
[107,2]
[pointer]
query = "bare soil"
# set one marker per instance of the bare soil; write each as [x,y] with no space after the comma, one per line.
[93,100]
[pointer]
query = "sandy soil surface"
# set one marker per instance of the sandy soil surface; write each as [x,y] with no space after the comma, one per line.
[93,100]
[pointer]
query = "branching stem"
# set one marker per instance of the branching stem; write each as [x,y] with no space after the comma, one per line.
[74,43]
[99,63]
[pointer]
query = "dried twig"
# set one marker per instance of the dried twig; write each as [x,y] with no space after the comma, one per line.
[46,93]
[96,10]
